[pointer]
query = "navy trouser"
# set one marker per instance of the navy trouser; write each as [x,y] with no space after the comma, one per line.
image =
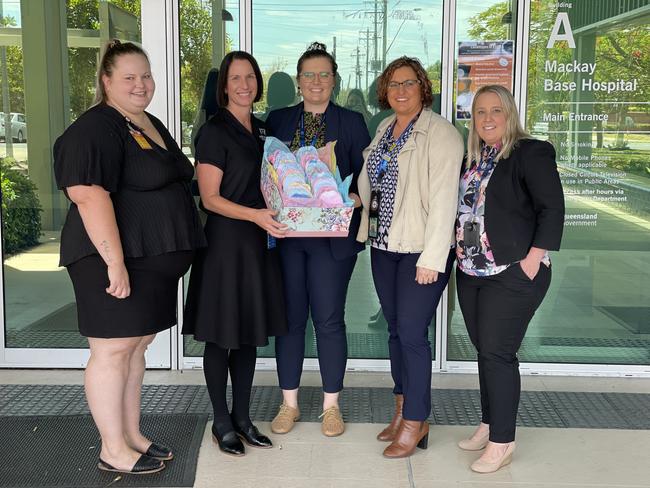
[409,309]
[497,310]
[314,280]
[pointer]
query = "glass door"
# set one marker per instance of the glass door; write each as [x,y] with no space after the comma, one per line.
[49,51]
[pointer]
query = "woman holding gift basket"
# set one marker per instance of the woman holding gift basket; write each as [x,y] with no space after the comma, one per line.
[316,270]
[234,301]
[408,190]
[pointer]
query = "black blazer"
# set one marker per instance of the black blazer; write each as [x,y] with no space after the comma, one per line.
[524,202]
[349,130]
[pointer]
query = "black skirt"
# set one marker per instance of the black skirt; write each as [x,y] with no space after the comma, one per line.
[151,306]
[235,293]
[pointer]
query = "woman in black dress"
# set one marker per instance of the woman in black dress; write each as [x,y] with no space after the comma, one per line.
[129,236]
[235,299]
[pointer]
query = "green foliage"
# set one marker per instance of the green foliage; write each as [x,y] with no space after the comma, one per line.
[21,209]
[82,62]
[488,25]
[196,54]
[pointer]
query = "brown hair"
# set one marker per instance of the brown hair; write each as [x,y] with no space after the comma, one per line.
[426,90]
[222,80]
[114,49]
[316,50]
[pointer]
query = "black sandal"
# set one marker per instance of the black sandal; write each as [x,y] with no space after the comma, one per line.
[158,451]
[144,465]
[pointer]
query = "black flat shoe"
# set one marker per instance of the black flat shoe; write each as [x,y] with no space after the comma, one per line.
[161,452]
[251,436]
[229,443]
[144,465]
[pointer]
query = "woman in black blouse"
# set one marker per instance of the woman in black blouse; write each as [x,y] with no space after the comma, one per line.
[129,236]
[511,213]
[234,301]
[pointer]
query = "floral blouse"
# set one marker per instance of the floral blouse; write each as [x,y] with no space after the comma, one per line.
[478,260]
[314,128]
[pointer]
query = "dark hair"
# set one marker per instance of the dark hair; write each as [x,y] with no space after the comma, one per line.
[316,50]
[413,63]
[222,80]
[114,49]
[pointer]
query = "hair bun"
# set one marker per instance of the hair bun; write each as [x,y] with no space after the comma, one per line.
[317,46]
[113,43]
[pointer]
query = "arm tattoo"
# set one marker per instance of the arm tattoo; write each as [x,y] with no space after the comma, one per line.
[107,251]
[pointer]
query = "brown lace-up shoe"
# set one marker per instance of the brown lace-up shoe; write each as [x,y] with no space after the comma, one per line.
[285,419]
[388,434]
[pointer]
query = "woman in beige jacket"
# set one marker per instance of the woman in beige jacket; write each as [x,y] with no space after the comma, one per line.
[408,187]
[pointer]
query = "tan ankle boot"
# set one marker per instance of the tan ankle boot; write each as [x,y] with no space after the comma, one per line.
[388,434]
[411,434]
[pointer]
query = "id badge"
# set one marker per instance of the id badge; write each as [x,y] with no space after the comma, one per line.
[471,234]
[373,213]
[141,140]
[270,241]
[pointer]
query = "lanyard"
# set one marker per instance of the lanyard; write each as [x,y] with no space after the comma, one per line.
[302,130]
[487,162]
[392,150]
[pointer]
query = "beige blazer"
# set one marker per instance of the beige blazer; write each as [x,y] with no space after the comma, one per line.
[426,197]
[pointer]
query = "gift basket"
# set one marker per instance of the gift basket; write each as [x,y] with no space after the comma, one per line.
[306,190]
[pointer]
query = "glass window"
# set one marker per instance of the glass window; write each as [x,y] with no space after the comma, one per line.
[48,80]
[363,37]
[209,29]
[588,94]
[485,33]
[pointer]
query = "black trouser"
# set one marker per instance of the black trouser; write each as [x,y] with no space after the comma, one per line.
[497,310]
[217,361]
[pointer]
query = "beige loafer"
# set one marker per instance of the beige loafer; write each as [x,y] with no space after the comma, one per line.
[333,424]
[285,419]
[480,466]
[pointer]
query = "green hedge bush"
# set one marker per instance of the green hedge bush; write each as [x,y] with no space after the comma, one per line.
[21,209]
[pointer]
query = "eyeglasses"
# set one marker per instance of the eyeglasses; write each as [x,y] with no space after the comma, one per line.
[311,76]
[407,84]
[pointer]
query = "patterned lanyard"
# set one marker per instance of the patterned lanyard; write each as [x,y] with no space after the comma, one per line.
[389,152]
[487,163]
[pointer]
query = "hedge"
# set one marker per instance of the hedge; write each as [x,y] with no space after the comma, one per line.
[21,209]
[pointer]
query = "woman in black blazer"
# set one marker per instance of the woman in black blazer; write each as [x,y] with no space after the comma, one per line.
[316,270]
[510,214]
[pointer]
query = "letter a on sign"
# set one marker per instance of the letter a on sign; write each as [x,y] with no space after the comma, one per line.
[561,20]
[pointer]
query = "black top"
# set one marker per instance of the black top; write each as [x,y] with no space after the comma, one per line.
[225,143]
[524,202]
[149,188]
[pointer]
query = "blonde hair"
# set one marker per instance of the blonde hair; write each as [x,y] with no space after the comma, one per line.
[114,49]
[514,131]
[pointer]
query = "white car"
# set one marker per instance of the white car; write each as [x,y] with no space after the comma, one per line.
[18,127]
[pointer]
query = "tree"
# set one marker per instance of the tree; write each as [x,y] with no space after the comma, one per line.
[82,62]
[488,25]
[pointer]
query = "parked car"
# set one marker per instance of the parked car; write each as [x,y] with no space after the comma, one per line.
[18,127]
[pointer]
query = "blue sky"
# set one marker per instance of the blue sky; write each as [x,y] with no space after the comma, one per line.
[282,29]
